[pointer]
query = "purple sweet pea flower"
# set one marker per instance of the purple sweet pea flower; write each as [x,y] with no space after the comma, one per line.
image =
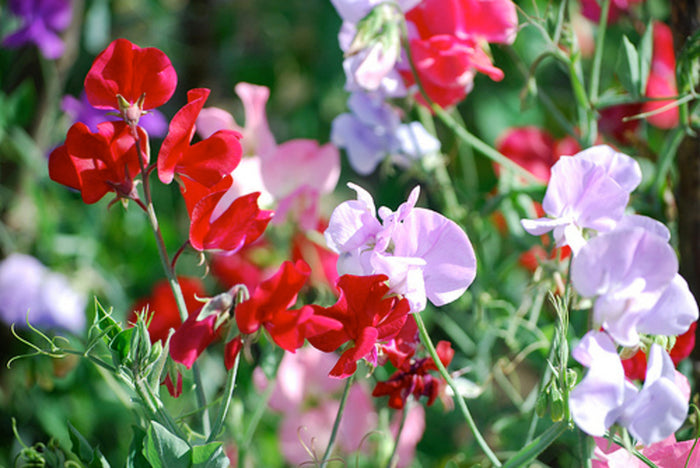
[604,397]
[589,190]
[30,290]
[372,130]
[424,254]
[80,110]
[627,271]
[42,20]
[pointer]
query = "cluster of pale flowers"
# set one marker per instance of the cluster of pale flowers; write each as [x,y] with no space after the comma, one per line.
[625,265]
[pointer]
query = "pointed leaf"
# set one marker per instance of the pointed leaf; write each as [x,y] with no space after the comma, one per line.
[80,446]
[209,456]
[628,68]
[135,458]
[646,48]
[164,449]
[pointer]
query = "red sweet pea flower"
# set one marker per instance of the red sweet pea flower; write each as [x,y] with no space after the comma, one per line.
[162,307]
[207,161]
[132,72]
[445,44]
[413,378]
[219,220]
[662,78]
[367,315]
[269,307]
[98,163]
[241,267]
[591,9]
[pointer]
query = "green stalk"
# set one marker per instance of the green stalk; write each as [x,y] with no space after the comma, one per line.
[169,274]
[537,446]
[425,338]
[228,394]
[336,424]
[392,459]
[594,84]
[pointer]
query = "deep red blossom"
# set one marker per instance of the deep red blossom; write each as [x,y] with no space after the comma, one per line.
[403,346]
[368,317]
[175,390]
[636,366]
[413,378]
[662,78]
[130,71]
[192,338]
[207,161]
[243,267]
[162,308]
[268,307]
[98,163]
[221,221]
[231,351]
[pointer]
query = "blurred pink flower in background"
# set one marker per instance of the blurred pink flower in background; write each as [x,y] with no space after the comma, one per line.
[662,78]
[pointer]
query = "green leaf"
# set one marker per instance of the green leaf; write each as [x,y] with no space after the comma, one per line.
[135,458]
[646,47]
[98,460]
[689,64]
[163,449]
[628,68]
[209,456]
[120,346]
[80,446]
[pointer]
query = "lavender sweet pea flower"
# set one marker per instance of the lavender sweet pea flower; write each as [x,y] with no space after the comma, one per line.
[80,110]
[589,190]
[29,289]
[424,254]
[42,21]
[627,271]
[373,130]
[604,397]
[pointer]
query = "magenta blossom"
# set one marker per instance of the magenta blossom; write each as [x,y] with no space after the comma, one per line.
[604,397]
[424,254]
[589,190]
[42,21]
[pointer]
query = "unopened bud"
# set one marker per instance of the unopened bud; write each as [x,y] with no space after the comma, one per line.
[557,404]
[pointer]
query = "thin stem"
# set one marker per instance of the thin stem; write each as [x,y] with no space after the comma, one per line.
[598,55]
[392,459]
[228,394]
[425,338]
[254,421]
[336,424]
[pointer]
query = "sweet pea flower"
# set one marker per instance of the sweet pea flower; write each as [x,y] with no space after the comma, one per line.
[446,40]
[372,130]
[80,110]
[424,254]
[297,173]
[591,9]
[604,397]
[98,163]
[42,21]
[367,316]
[589,190]
[668,452]
[143,77]
[633,276]
[30,291]
[636,366]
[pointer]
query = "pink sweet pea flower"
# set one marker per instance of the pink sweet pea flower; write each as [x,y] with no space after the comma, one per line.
[666,453]
[662,78]
[297,173]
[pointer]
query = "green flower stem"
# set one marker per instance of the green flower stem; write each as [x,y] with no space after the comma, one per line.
[594,84]
[169,273]
[392,459]
[537,446]
[336,424]
[425,338]
[261,405]
[228,394]
[155,408]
